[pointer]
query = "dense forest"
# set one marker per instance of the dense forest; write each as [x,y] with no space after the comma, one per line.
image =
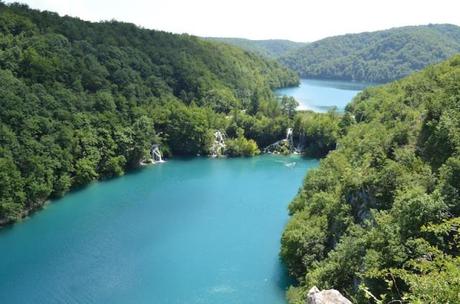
[271,48]
[317,133]
[82,101]
[375,56]
[379,219]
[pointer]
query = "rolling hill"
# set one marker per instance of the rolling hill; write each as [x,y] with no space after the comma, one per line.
[379,56]
[272,48]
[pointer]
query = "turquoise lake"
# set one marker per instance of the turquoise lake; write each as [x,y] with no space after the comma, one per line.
[185,231]
[322,95]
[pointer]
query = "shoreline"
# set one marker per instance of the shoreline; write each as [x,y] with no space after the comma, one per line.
[4,223]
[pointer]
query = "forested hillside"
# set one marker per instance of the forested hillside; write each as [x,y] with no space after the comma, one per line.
[376,56]
[82,101]
[271,48]
[379,219]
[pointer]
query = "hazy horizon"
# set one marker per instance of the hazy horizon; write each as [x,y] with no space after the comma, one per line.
[259,20]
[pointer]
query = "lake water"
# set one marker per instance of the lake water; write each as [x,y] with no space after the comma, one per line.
[322,95]
[186,231]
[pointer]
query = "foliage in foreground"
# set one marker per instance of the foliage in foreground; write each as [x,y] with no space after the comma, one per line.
[379,218]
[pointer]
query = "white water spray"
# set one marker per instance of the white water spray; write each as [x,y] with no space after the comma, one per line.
[156,154]
[290,138]
[289,141]
[218,147]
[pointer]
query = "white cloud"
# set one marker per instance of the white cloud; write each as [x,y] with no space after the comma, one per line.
[257,19]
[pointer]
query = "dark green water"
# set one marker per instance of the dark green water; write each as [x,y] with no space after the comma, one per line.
[186,231]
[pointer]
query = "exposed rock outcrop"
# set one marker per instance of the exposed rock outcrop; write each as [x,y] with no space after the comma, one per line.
[330,296]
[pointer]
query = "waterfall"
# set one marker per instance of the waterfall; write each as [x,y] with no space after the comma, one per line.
[218,147]
[290,138]
[300,145]
[156,154]
[283,145]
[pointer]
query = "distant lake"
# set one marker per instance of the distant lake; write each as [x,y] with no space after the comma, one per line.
[193,231]
[322,95]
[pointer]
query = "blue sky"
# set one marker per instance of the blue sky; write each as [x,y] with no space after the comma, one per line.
[299,20]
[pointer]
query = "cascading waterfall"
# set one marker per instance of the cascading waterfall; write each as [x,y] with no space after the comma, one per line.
[286,143]
[218,147]
[156,154]
[290,138]
[301,143]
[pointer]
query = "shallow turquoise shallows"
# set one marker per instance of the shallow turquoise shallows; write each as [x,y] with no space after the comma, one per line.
[321,95]
[185,231]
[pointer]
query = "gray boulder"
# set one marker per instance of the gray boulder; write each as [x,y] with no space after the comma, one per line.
[330,296]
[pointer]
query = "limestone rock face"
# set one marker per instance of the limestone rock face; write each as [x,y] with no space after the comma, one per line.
[330,296]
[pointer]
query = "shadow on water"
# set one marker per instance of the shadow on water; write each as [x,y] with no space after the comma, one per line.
[74,190]
[131,172]
[284,280]
[5,229]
